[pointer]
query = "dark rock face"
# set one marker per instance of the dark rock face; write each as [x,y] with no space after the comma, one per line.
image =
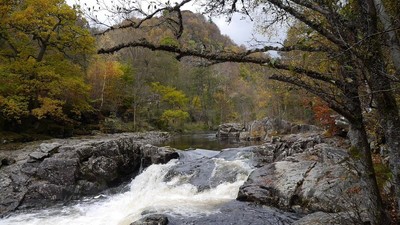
[72,168]
[153,219]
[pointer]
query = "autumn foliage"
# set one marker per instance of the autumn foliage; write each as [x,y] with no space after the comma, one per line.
[49,76]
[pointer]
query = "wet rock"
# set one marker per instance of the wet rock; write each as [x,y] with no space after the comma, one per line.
[155,155]
[208,170]
[42,191]
[69,169]
[196,172]
[153,219]
[238,213]
[11,193]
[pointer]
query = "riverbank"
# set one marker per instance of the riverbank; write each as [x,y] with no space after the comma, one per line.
[58,170]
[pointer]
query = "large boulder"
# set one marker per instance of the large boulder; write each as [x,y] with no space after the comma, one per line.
[257,130]
[69,169]
[274,126]
[304,173]
[230,130]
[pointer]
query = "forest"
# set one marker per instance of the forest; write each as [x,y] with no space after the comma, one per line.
[166,68]
[54,83]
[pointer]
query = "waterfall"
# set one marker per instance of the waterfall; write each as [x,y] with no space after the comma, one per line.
[149,192]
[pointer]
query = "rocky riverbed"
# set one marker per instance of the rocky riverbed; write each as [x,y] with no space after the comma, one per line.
[300,178]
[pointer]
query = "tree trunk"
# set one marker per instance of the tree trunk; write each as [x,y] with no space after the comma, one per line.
[389,27]
[103,88]
[382,91]
[359,142]
[390,122]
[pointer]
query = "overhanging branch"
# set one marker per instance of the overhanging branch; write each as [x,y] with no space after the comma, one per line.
[224,57]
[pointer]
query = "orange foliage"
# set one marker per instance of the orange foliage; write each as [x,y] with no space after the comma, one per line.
[324,115]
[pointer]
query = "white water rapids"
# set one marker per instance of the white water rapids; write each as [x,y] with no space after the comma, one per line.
[148,192]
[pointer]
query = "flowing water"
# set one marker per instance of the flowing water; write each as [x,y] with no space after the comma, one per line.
[206,141]
[152,192]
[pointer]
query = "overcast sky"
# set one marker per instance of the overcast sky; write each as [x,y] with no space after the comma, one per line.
[240,30]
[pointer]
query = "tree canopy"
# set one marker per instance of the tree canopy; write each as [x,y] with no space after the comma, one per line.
[43,48]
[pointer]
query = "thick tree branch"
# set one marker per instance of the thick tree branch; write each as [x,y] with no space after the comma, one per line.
[225,57]
[291,48]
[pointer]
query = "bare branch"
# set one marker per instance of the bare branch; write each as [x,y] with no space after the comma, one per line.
[133,24]
[314,25]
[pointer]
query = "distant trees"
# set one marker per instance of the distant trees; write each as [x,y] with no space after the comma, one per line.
[216,93]
[50,77]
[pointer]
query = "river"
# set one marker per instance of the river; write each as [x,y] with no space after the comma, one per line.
[206,141]
[200,184]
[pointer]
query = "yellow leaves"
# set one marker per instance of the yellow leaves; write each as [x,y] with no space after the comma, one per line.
[49,84]
[105,76]
[45,24]
[102,68]
[49,108]
[14,107]
[170,95]
[75,94]
[171,116]
[176,100]
[196,102]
